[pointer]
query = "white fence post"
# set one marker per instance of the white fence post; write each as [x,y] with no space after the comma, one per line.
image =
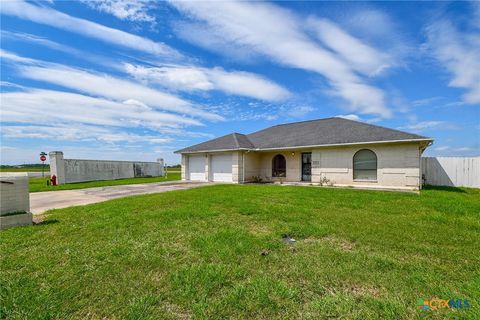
[161,167]
[57,166]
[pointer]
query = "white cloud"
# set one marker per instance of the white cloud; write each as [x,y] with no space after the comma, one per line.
[103,85]
[269,112]
[255,116]
[15,58]
[379,29]
[129,10]
[54,18]
[246,84]
[115,112]
[7,148]
[174,77]
[112,88]
[10,85]
[47,115]
[48,106]
[197,33]
[423,125]
[112,126]
[455,104]
[459,53]
[353,117]
[177,77]
[276,33]
[358,55]
[192,78]
[296,111]
[78,133]
[26,37]
[30,38]
[476,13]
[371,23]
[426,101]
[448,149]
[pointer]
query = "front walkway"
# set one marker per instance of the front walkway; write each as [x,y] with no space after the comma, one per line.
[43,201]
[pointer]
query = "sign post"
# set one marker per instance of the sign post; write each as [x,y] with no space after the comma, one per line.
[43,158]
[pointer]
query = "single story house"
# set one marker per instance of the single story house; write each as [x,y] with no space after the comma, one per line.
[334,151]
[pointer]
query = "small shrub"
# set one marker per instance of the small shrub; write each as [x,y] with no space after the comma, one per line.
[257,179]
[325,182]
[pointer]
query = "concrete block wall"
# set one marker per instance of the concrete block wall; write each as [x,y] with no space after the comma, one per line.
[237,167]
[184,166]
[398,165]
[252,165]
[208,165]
[293,165]
[77,170]
[14,196]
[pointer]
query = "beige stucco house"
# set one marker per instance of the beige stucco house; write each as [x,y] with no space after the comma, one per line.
[332,151]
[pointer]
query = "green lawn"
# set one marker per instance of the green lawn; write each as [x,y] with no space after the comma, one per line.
[217,252]
[34,169]
[40,184]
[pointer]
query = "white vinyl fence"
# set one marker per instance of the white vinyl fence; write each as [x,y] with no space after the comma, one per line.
[452,171]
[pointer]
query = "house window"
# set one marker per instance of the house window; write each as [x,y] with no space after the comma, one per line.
[365,165]
[279,166]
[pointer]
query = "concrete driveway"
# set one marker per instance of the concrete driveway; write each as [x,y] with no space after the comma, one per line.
[43,201]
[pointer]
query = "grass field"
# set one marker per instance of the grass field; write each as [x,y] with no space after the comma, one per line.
[34,169]
[40,184]
[217,252]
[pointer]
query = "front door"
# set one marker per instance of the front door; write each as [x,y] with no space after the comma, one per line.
[307,166]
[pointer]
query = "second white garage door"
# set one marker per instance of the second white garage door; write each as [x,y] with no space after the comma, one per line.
[196,168]
[221,168]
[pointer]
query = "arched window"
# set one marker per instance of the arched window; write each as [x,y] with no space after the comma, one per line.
[279,166]
[365,165]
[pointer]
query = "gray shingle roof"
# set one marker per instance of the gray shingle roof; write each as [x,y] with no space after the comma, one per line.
[330,131]
[232,141]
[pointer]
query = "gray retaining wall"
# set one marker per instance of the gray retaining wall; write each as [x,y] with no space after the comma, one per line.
[77,170]
[14,198]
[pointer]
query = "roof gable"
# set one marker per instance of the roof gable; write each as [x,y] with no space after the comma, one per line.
[232,141]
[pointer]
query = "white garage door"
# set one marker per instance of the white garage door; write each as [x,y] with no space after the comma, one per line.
[196,168]
[221,168]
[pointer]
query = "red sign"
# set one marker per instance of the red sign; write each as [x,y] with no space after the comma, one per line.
[43,158]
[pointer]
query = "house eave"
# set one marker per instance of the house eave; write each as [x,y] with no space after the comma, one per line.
[427,140]
[216,150]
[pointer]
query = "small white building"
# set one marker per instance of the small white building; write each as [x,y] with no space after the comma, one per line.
[334,151]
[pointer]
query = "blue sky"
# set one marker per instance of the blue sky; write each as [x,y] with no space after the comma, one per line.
[139,79]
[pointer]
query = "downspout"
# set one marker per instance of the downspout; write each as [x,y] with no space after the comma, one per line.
[420,185]
[243,167]
[422,149]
